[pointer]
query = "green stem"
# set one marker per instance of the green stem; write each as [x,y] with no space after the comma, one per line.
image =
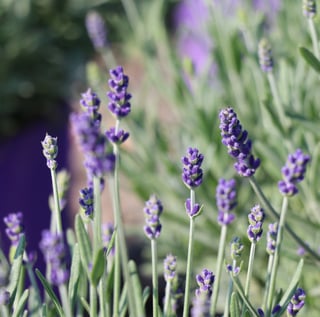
[230,289]
[97,242]
[267,287]
[116,280]
[56,201]
[250,267]
[166,309]
[155,296]
[102,298]
[221,251]
[189,260]
[93,301]
[314,38]
[274,213]
[132,13]
[65,300]
[276,258]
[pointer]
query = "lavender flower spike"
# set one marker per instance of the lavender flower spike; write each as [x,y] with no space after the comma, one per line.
[265,56]
[255,217]
[296,302]
[226,200]
[272,237]
[96,29]
[90,102]
[50,150]
[153,209]
[192,173]
[170,266]
[309,8]
[293,172]
[205,282]
[237,142]
[119,98]
[14,228]
[86,201]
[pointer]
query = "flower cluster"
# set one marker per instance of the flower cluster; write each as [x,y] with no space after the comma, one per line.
[255,217]
[236,249]
[170,266]
[309,8]
[50,150]
[192,174]
[205,282]
[153,209]
[53,249]
[272,237]
[226,200]
[86,201]
[265,56]
[293,172]
[296,302]
[237,142]
[14,228]
[96,29]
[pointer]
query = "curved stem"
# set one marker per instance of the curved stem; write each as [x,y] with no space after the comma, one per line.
[250,267]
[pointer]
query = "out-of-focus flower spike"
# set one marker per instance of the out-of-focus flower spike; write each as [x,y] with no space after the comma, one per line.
[265,56]
[96,29]
[309,8]
[153,209]
[50,150]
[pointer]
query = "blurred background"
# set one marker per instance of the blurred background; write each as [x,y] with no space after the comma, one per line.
[186,60]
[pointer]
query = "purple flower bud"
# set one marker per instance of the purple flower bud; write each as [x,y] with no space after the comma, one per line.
[192,174]
[96,29]
[15,227]
[265,56]
[117,138]
[50,150]
[119,98]
[293,172]
[192,211]
[255,217]
[86,201]
[153,209]
[272,237]
[296,302]
[205,282]
[237,142]
[226,200]
[309,8]
[170,266]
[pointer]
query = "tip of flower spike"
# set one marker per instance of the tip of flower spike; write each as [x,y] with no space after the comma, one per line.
[265,56]
[50,150]
[96,29]
[309,8]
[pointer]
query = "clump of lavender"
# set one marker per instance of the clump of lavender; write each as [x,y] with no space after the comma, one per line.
[272,237]
[293,172]
[226,200]
[53,249]
[96,29]
[15,228]
[237,142]
[309,8]
[255,217]
[296,302]
[86,201]
[205,282]
[153,209]
[50,150]
[265,56]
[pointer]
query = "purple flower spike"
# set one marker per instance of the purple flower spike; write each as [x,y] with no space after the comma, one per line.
[205,282]
[170,267]
[237,142]
[117,137]
[272,237]
[192,174]
[86,201]
[96,29]
[153,209]
[293,172]
[91,103]
[255,217]
[226,200]
[296,302]
[265,56]
[119,98]
[194,211]
[15,227]
[53,249]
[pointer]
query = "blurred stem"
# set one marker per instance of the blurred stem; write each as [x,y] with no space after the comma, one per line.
[93,301]
[65,300]
[314,38]
[189,260]
[108,57]
[132,13]
[230,289]
[117,279]
[275,214]
[276,258]
[102,297]
[166,309]
[267,285]
[58,223]
[222,245]
[97,242]
[250,267]
[155,296]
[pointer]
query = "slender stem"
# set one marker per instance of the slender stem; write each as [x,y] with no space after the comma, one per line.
[275,214]
[117,279]
[97,242]
[314,38]
[221,251]
[102,298]
[230,289]
[267,286]
[132,13]
[155,296]
[93,301]
[276,259]
[250,267]
[56,201]
[65,300]
[189,260]
[166,309]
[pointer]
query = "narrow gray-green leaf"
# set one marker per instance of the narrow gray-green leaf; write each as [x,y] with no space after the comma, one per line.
[234,306]
[123,306]
[98,267]
[21,304]
[74,272]
[137,290]
[145,295]
[15,274]
[310,58]
[50,292]
[21,246]
[85,304]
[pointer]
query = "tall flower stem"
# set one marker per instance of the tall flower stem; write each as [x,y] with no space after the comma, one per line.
[267,286]
[189,260]
[314,38]
[250,267]
[155,295]
[93,301]
[58,222]
[276,259]
[222,245]
[230,288]
[275,214]
[166,307]
[97,242]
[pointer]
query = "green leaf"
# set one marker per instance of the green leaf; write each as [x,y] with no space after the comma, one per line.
[123,306]
[137,290]
[75,272]
[234,306]
[85,305]
[145,295]
[21,246]
[98,267]
[84,243]
[50,292]
[14,275]
[21,304]
[310,58]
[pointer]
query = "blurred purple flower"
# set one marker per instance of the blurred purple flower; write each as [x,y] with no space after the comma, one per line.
[170,266]
[153,209]
[205,282]
[117,137]
[272,237]
[15,227]
[96,29]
